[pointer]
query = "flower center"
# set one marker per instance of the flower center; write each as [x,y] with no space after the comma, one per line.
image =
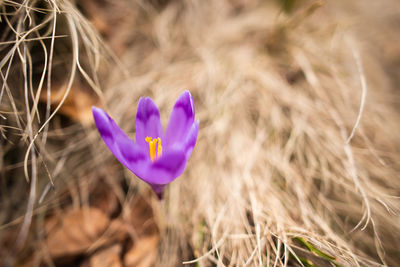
[153,146]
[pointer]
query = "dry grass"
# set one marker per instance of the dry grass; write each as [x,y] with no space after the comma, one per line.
[298,126]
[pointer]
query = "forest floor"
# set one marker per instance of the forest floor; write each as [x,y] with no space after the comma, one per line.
[298,155]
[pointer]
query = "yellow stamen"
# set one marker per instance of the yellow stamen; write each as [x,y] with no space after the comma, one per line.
[152,146]
[159,148]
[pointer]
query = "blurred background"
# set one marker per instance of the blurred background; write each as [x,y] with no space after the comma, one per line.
[298,155]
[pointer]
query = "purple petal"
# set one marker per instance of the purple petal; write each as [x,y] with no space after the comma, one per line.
[147,123]
[191,139]
[135,158]
[166,169]
[123,148]
[181,120]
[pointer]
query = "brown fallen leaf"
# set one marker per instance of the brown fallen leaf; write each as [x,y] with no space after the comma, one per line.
[107,257]
[143,253]
[74,232]
[103,197]
[78,104]
[139,215]
[116,232]
[107,16]
[96,12]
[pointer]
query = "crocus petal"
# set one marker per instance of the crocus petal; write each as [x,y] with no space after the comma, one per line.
[147,123]
[135,158]
[181,120]
[165,169]
[191,139]
[118,142]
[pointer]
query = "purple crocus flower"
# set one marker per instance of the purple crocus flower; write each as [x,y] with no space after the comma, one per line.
[156,157]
